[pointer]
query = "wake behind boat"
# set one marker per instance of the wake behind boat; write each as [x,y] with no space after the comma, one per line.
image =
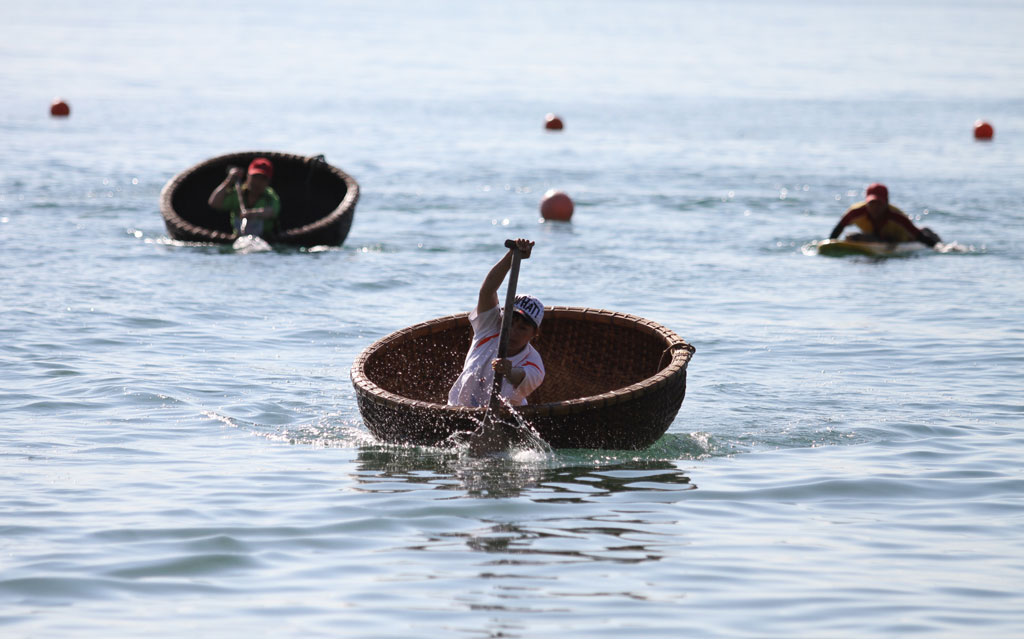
[318,200]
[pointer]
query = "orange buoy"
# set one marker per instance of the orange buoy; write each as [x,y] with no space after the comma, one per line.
[983,130]
[556,205]
[59,108]
[552,122]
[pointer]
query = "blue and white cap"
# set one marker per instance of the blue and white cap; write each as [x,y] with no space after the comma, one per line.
[529,307]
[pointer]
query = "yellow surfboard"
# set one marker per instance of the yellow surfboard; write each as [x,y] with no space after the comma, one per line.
[839,248]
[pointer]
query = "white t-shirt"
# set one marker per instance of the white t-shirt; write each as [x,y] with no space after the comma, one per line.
[473,387]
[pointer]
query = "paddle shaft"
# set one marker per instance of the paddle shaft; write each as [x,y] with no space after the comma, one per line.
[506,321]
[241,207]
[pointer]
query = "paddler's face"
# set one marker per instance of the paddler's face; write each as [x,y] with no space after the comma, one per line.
[258,183]
[519,334]
[876,208]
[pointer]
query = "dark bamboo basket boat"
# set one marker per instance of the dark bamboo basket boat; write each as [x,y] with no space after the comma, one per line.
[318,201]
[614,381]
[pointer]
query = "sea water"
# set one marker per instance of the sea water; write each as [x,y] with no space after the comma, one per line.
[181,451]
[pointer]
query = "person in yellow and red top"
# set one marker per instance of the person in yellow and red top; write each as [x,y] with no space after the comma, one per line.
[880,221]
[262,204]
[522,369]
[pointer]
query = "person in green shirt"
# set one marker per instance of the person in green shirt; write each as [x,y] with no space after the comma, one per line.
[262,206]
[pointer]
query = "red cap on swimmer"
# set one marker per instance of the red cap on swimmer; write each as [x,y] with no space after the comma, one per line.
[877,191]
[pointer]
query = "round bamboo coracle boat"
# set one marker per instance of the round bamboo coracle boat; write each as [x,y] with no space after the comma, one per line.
[318,201]
[614,381]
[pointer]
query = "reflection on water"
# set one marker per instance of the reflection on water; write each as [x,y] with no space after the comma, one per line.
[536,544]
[566,477]
[566,516]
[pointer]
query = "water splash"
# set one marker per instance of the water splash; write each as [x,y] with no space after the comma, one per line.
[504,432]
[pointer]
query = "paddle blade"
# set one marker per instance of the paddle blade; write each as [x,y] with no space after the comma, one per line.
[488,440]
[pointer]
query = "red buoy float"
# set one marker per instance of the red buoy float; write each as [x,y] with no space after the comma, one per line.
[556,205]
[983,130]
[552,122]
[59,108]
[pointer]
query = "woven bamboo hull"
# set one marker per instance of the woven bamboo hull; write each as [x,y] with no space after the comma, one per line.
[614,381]
[318,201]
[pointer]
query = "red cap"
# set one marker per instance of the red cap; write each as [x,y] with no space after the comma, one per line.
[263,167]
[877,191]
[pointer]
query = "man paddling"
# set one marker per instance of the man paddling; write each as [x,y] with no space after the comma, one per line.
[880,221]
[522,368]
[255,210]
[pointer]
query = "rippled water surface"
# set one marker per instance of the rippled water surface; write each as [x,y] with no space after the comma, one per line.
[181,451]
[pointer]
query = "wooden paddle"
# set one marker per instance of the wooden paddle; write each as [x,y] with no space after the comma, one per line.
[242,208]
[249,238]
[488,438]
